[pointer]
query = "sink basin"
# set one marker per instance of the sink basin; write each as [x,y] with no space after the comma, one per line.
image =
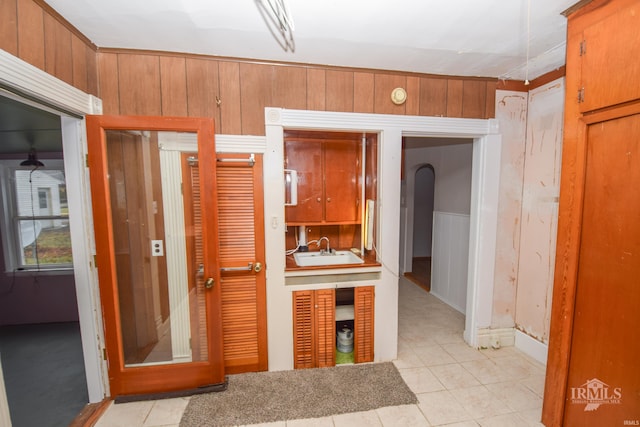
[314,259]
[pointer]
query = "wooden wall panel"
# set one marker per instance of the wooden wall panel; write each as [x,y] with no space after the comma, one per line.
[31,33]
[316,89]
[363,92]
[412,106]
[474,94]
[289,88]
[203,86]
[173,86]
[385,83]
[490,100]
[339,91]
[109,85]
[9,27]
[57,53]
[255,80]
[454,98]
[230,116]
[79,64]
[139,85]
[433,96]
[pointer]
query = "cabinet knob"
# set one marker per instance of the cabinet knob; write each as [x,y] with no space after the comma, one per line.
[328,199]
[209,283]
[318,199]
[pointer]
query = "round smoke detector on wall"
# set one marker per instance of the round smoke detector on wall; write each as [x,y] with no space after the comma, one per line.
[398,96]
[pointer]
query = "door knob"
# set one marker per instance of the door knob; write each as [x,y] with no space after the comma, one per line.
[257,267]
[209,283]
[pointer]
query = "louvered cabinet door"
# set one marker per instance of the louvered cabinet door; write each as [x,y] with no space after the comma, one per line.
[325,309]
[303,330]
[364,297]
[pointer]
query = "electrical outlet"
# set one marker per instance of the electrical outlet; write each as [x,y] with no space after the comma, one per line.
[157,248]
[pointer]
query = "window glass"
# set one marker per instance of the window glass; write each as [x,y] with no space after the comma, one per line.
[41,220]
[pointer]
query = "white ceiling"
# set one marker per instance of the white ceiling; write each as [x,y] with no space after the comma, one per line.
[488,38]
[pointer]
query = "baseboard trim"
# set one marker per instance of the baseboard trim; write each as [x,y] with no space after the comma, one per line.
[495,338]
[531,347]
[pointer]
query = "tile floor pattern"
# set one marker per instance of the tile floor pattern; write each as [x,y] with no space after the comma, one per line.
[456,386]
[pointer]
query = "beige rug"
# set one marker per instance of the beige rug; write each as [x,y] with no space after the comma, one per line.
[303,393]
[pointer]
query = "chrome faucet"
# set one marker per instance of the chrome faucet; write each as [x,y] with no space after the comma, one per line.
[323,251]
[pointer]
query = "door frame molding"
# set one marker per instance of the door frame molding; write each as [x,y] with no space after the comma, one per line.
[391,129]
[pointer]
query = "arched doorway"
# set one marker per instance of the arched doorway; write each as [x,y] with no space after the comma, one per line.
[423,202]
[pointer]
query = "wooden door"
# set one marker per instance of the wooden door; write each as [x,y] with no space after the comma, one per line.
[341,181]
[307,159]
[160,336]
[241,233]
[603,386]
[325,315]
[609,50]
[363,330]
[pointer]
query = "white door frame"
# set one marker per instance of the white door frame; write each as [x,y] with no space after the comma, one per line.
[26,81]
[391,129]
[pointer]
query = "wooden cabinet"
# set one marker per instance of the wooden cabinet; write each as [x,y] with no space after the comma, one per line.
[314,327]
[609,48]
[593,378]
[329,183]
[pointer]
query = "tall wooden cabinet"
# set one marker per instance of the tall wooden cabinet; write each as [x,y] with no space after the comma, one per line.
[314,327]
[593,374]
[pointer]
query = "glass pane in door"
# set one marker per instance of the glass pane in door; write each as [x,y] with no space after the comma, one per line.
[160,294]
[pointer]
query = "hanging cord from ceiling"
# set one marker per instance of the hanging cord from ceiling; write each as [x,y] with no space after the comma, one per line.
[526,71]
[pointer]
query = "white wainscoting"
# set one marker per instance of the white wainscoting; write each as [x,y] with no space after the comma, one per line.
[450,256]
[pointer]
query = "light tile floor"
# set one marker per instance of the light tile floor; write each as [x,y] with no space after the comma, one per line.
[456,385]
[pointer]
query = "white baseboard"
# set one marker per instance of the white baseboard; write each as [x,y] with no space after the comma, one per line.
[495,338]
[531,347]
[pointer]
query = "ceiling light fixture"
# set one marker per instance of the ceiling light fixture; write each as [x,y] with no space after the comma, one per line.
[279,21]
[32,160]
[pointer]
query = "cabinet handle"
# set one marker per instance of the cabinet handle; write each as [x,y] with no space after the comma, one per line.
[318,199]
[328,199]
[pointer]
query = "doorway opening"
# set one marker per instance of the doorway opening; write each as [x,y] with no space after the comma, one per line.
[40,339]
[423,197]
[438,181]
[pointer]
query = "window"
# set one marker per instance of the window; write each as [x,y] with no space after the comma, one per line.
[36,218]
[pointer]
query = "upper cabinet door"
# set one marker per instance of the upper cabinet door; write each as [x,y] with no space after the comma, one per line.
[329,174]
[609,57]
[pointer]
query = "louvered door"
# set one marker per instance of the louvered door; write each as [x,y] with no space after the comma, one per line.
[304,335]
[325,309]
[363,323]
[314,328]
[241,243]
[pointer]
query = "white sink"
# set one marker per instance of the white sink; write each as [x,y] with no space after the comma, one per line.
[313,259]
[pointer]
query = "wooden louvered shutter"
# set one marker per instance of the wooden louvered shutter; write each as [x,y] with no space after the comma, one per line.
[363,323]
[325,308]
[303,330]
[241,234]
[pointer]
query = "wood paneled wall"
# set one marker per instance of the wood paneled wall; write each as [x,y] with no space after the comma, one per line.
[35,33]
[235,92]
